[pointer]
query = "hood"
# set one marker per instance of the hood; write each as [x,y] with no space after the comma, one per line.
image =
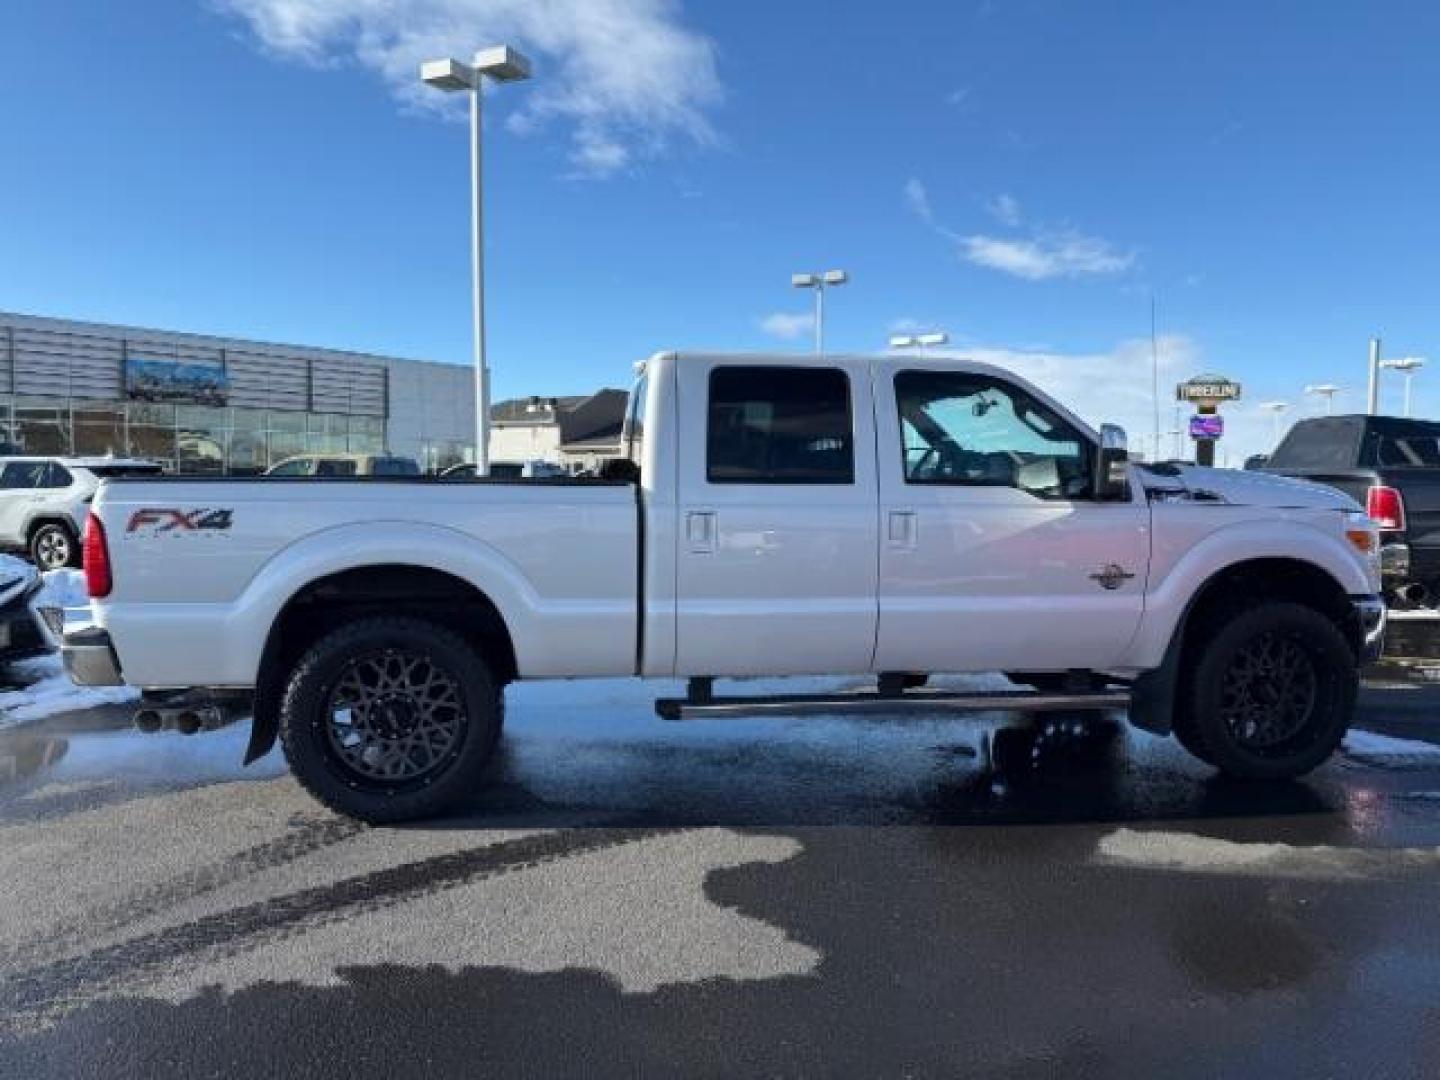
[1169,482]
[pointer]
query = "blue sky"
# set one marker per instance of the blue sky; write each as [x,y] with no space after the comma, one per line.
[1023,175]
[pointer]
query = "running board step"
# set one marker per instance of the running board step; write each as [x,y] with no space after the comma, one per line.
[919,700]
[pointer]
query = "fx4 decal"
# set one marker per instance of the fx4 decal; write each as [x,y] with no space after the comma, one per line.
[165,519]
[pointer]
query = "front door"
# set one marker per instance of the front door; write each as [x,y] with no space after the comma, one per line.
[995,555]
[776,559]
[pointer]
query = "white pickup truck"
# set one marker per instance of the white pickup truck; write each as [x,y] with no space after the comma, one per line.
[775,516]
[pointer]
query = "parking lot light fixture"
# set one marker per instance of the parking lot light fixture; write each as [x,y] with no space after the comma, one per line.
[1407,366]
[503,64]
[818,282]
[1274,408]
[919,342]
[1327,391]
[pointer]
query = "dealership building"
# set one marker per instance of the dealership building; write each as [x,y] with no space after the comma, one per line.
[201,404]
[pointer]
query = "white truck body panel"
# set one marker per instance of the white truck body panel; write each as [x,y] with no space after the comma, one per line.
[558,561]
[733,579]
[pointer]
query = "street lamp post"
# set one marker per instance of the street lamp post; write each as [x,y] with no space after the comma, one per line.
[819,283]
[1407,366]
[1274,408]
[1328,392]
[503,64]
[919,342]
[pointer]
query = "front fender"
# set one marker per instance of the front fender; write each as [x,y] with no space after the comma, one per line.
[1168,600]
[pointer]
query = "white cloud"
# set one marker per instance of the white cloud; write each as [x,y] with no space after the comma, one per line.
[787,325]
[626,76]
[957,97]
[1041,255]
[918,199]
[1037,258]
[1005,209]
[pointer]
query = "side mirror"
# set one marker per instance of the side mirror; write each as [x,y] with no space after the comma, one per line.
[1112,480]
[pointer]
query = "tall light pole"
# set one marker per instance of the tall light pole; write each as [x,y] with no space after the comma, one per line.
[819,283]
[503,64]
[1328,392]
[1407,366]
[919,342]
[1274,408]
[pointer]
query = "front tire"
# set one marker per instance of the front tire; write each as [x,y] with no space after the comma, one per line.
[390,719]
[54,547]
[1271,693]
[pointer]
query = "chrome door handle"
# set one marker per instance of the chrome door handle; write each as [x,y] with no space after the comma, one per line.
[700,527]
[903,529]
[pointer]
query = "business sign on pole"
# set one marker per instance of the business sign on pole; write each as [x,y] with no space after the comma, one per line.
[1207,426]
[1208,390]
[148,379]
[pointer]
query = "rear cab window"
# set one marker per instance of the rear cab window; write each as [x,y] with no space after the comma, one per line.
[779,425]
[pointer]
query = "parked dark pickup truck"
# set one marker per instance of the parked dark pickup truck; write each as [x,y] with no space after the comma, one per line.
[1390,466]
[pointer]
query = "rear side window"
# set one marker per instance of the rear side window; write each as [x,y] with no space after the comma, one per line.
[55,476]
[776,425]
[1409,451]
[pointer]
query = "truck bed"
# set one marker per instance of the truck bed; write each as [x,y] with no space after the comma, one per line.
[202,565]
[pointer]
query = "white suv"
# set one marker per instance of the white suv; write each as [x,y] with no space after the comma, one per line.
[44,500]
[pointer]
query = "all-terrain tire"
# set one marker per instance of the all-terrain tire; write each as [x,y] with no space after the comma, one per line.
[1251,725]
[315,752]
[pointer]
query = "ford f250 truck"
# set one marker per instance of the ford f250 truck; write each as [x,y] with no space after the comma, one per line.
[775,516]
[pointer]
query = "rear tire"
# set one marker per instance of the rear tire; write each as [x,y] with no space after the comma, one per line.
[390,719]
[53,546]
[1272,693]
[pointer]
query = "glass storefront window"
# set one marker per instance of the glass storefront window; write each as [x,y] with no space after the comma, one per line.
[100,430]
[42,425]
[186,438]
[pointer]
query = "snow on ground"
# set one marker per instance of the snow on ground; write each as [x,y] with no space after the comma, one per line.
[1373,749]
[63,589]
[45,689]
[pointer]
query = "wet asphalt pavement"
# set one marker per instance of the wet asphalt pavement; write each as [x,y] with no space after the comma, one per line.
[725,898]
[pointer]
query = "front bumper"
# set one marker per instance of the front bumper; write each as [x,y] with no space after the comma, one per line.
[1370,614]
[90,658]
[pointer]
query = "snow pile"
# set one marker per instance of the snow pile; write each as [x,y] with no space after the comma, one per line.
[1372,749]
[15,576]
[63,589]
[50,692]
[46,690]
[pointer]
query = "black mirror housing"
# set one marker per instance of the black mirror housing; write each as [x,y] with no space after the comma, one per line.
[1112,473]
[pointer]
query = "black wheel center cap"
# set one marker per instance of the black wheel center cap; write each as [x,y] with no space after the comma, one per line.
[394,717]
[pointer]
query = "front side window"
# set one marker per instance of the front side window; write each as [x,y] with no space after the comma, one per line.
[775,425]
[978,431]
[334,467]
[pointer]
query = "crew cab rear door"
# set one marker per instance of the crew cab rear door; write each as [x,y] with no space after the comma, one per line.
[777,534]
[994,554]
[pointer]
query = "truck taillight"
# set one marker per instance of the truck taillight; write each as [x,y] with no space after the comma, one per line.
[1385,507]
[97,559]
